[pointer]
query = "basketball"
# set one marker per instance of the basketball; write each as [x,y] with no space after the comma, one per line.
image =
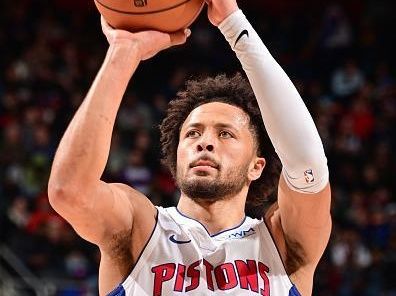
[160,15]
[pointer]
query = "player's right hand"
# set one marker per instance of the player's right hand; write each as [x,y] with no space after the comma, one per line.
[219,10]
[149,43]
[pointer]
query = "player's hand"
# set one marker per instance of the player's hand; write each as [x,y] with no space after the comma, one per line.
[149,43]
[219,10]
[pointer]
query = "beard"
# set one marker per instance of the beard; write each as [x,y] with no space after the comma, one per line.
[217,188]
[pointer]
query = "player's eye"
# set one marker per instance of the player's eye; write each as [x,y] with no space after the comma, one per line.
[225,135]
[192,134]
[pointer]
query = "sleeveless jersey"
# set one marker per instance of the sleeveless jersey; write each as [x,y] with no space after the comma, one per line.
[182,258]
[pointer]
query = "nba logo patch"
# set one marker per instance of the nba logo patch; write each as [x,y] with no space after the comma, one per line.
[140,3]
[309,177]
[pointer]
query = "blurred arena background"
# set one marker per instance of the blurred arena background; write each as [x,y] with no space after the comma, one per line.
[340,54]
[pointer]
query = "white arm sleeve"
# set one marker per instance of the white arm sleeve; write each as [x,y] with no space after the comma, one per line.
[286,118]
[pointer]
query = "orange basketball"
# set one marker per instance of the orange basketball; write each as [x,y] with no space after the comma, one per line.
[160,15]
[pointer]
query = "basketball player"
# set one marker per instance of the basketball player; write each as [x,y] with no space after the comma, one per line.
[215,145]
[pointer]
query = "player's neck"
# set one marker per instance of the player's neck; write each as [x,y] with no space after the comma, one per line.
[215,216]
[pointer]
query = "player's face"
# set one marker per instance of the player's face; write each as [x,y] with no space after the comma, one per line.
[216,156]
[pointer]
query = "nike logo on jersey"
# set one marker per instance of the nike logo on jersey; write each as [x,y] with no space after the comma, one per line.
[244,32]
[174,240]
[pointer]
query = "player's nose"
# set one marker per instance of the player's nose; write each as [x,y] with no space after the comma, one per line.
[206,143]
[205,147]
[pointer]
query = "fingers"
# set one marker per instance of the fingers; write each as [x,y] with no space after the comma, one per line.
[150,42]
[153,42]
[105,25]
[179,37]
[107,29]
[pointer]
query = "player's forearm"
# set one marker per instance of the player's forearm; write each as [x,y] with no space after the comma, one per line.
[83,151]
[287,120]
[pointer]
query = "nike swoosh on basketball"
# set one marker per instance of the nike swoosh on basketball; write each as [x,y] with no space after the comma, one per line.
[244,32]
[173,240]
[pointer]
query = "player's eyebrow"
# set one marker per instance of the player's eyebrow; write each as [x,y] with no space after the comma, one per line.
[218,125]
[225,125]
[195,124]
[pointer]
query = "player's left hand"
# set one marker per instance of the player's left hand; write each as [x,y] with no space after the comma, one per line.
[219,10]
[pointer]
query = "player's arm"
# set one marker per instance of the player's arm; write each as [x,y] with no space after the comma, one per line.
[98,210]
[304,193]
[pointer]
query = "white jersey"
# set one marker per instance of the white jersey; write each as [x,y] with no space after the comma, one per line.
[182,258]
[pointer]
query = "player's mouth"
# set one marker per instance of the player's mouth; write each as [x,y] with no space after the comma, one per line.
[204,164]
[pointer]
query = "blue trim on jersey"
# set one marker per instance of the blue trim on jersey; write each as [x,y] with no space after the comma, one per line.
[119,291]
[294,292]
[213,235]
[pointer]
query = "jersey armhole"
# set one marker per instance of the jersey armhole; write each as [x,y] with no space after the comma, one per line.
[293,290]
[148,247]
[145,253]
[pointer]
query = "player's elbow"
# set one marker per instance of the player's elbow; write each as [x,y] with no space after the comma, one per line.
[62,196]
[59,195]
[65,186]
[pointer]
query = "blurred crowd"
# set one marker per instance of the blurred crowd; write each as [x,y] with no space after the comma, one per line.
[341,56]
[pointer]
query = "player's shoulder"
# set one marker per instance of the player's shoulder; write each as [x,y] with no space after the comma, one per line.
[139,203]
[126,189]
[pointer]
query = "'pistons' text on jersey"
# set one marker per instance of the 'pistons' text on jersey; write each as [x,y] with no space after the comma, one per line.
[182,258]
[249,275]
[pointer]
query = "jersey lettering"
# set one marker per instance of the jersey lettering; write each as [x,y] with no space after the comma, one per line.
[181,270]
[162,273]
[263,270]
[194,275]
[225,276]
[209,269]
[249,275]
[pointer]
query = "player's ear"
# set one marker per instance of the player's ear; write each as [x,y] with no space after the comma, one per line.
[256,168]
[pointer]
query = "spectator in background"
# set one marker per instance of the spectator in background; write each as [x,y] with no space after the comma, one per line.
[117,158]
[347,80]
[336,28]
[136,173]
[135,115]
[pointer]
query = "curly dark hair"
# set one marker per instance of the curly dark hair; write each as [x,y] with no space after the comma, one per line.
[235,91]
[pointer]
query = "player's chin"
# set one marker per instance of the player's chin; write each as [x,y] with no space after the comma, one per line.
[203,175]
